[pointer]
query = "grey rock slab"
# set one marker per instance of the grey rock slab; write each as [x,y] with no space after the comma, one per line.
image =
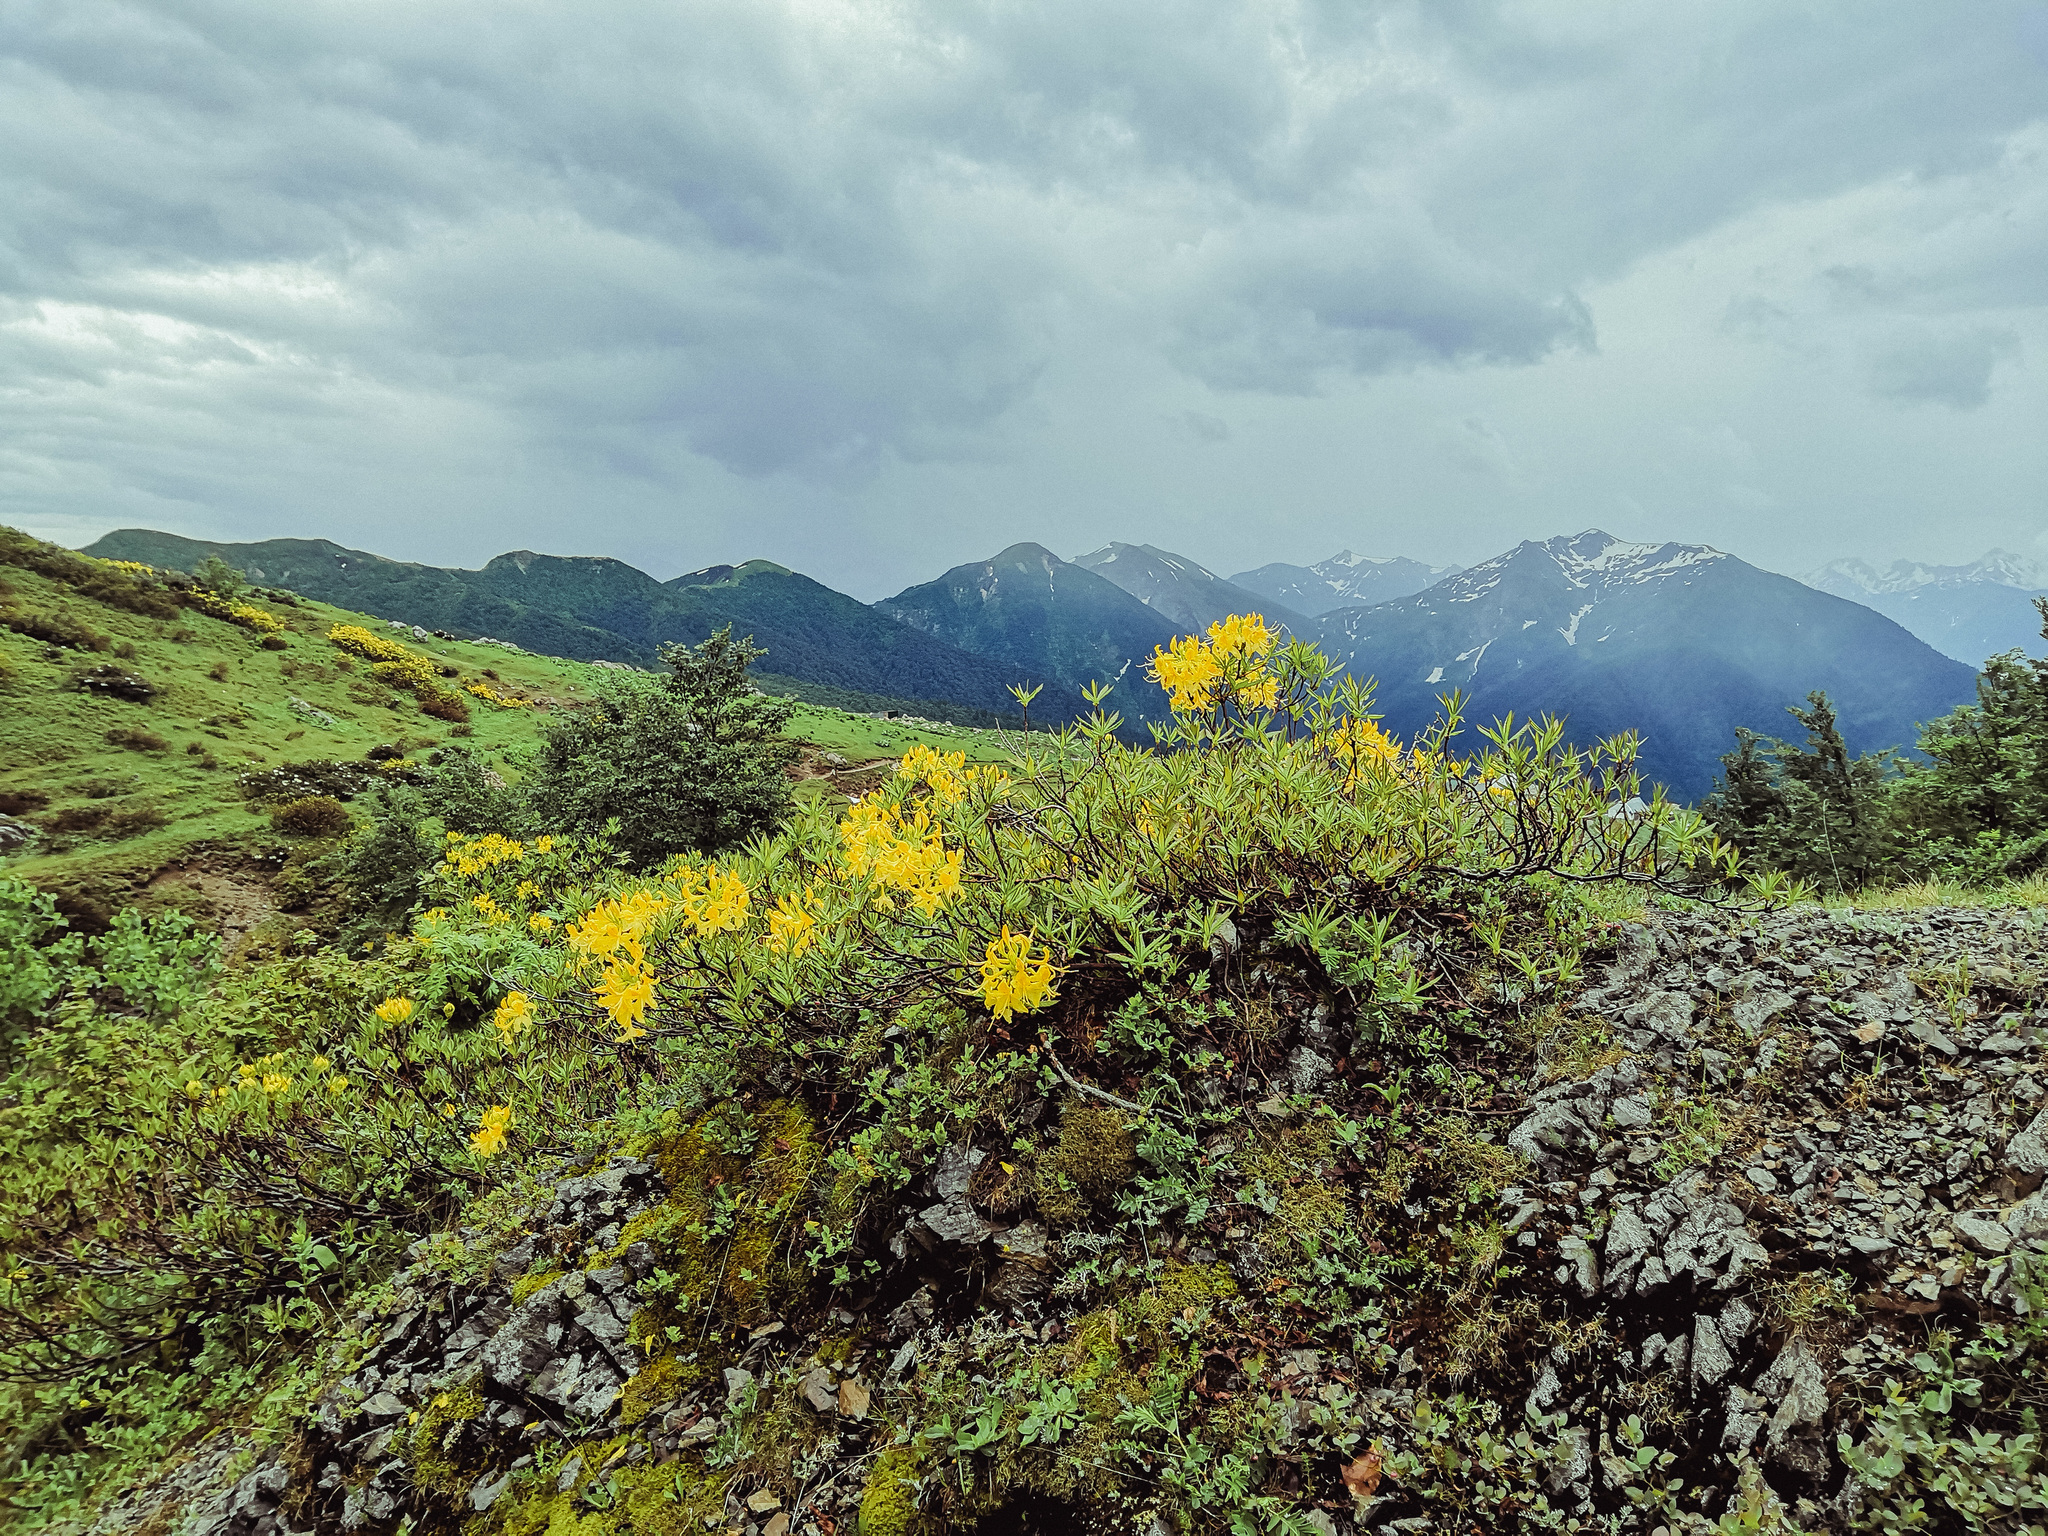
[1554,1137]
[736,1382]
[488,1492]
[1711,1361]
[1931,1037]
[1874,1247]
[1758,1009]
[2027,1152]
[1983,1235]
[820,1390]
[1305,1070]
[1631,1111]
[1799,1387]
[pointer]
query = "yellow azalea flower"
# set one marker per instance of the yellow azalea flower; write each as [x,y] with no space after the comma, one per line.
[721,905]
[321,1063]
[195,1088]
[449,1111]
[526,890]
[790,926]
[626,993]
[337,1085]
[275,1082]
[540,922]
[396,1010]
[1012,982]
[447,1010]
[543,845]
[1242,634]
[513,1015]
[489,1139]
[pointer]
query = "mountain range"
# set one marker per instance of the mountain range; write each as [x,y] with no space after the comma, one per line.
[1680,642]
[1343,581]
[822,645]
[1970,612]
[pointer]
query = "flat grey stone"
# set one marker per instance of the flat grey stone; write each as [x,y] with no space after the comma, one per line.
[2027,1152]
[1872,1246]
[485,1494]
[1631,1112]
[1983,1235]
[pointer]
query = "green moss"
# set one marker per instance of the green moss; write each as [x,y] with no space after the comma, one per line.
[1092,1161]
[888,1500]
[737,1181]
[654,1386]
[532,1282]
[433,1448]
[1147,1317]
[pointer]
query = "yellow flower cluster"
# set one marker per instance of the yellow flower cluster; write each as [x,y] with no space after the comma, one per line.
[714,901]
[367,644]
[244,614]
[902,853]
[540,922]
[265,1076]
[1198,671]
[410,673]
[131,567]
[1012,982]
[491,695]
[792,926]
[489,1139]
[1359,746]
[626,992]
[617,924]
[474,855]
[946,774]
[513,1017]
[492,913]
[396,1010]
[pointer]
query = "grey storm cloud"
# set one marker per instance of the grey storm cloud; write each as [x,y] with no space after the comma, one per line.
[374,263]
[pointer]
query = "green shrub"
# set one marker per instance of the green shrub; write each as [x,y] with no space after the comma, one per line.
[690,761]
[37,956]
[54,628]
[137,740]
[311,816]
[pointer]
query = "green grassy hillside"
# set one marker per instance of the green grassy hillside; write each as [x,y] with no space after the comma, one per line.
[143,800]
[821,644]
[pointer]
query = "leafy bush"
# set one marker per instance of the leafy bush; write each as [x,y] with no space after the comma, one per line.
[37,956]
[442,705]
[1962,1450]
[136,739]
[316,776]
[311,816]
[54,628]
[693,760]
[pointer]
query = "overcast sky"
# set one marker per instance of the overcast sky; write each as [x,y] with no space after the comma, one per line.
[875,288]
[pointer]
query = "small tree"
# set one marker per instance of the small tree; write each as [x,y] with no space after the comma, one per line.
[219,578]
[1817,813]
[693,760]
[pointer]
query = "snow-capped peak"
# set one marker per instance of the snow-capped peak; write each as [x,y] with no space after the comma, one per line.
[1999,567]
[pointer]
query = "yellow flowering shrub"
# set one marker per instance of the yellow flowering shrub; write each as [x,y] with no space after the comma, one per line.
[490,695]
[247,615]
[1012,980]
[489,1139]
[367,643]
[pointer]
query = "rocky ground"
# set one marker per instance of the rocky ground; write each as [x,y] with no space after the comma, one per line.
[1768,1160]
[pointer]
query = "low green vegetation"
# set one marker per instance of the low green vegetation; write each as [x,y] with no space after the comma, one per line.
[961,1057]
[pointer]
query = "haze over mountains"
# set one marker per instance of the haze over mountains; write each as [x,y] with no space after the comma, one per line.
[1680,642]
[1970,612]
[1343,581]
